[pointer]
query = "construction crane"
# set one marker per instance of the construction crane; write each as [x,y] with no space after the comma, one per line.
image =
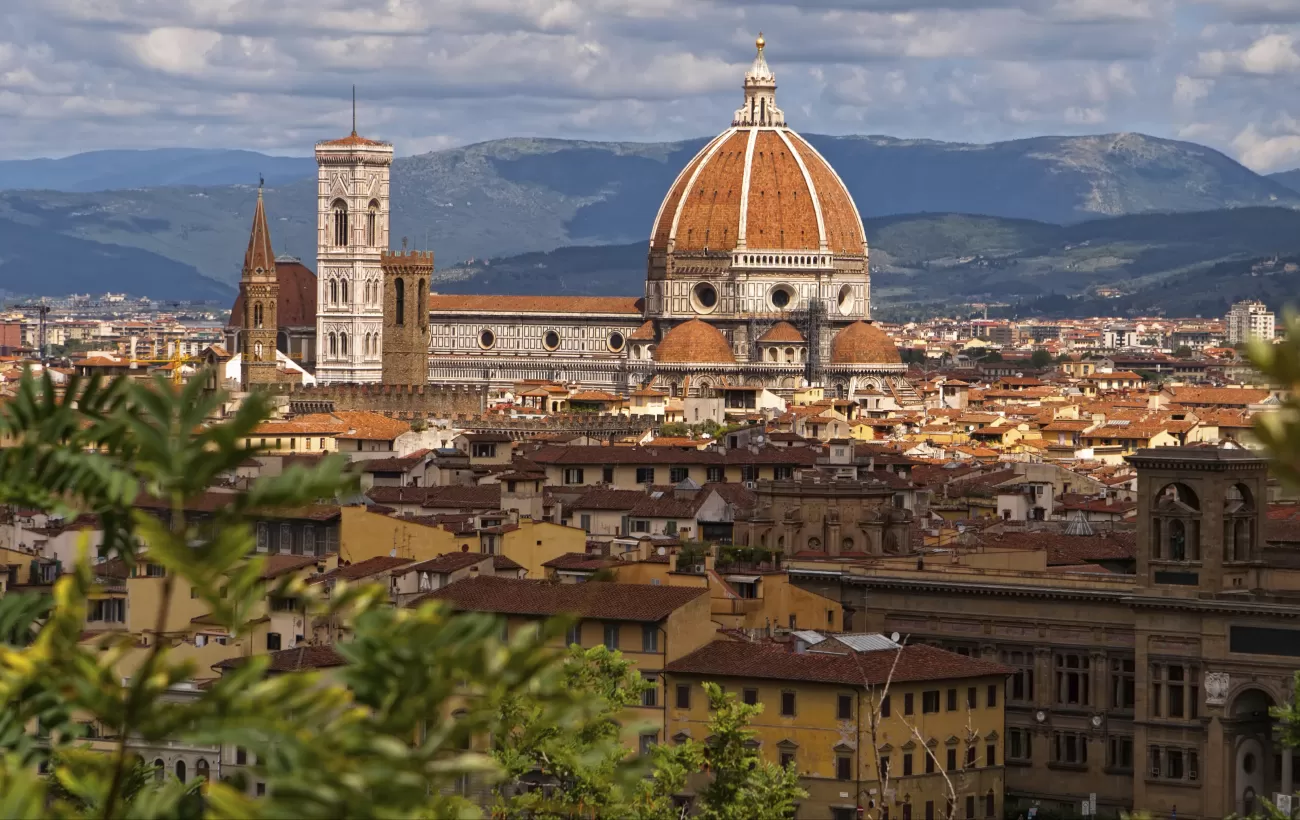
[43,311]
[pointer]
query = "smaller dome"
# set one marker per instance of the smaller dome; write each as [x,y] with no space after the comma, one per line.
[782,332]
[863,343]
[695,341]
[645,333]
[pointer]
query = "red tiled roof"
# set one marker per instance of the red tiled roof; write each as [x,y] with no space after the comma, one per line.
[594,599]
[738,659]
[448,562]
[363,569]
[294,660]
[277,565]
[295,306]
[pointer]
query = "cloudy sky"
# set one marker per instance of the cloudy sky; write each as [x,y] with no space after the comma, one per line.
[274,75]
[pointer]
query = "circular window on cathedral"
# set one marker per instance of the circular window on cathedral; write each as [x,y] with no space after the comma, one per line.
[616,341]
[846,300]
[781,297]
[550,340]
[704,298]
[486,339]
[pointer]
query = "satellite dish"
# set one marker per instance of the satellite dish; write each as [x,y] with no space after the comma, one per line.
[662,551]
[894,637]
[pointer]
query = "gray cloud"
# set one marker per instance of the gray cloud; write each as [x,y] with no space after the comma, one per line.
[275,76]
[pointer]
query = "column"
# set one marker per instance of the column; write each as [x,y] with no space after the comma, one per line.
[1218,799]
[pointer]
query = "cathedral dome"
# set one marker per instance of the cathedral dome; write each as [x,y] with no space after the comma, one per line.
[782,332]
[758,186]
[694,342]
[863,343]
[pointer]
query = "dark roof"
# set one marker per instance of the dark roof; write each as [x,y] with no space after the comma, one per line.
[580,561]
[739,659]
[363,569]
[595,599]
[449,562]
[277,565]
[294,660]
[448,496]
[604,456]
[1067,550]
[500,563]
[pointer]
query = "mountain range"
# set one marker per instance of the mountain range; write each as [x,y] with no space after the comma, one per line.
[521,196]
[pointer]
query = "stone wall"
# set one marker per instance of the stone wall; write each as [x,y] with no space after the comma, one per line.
[401,401]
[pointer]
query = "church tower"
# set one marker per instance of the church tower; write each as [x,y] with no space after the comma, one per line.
[351,237]
[260,291]
[406,316]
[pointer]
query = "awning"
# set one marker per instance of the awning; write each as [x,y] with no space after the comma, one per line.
[742,579]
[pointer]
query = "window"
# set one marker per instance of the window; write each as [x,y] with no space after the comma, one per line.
[180,770]
[971,700]
[483,450]
[372,222]
[782,472]
[1070,748]
[750,696]
[573,635]
[649,638]
[970,756]
[241,756]
[714,475]
[272,641]
[1119,753]
[607,475]
[112,610]
[844,707]
[787,704]
[929,810]
[952,760]
[907,763]
[640,525]
[952,700]
[683,696]
[650,697]
[787,758]
[573,475]
[1019,744]
[1121,684]
[1173,692]
[584,521]
[843,767]
[992,700]
[677,475]
[645,475]
[263,536]
[1174,763]
[990,804]
[929,761]
[970,805]
[261,789]
[1072,678]
[340,209]
[648,741]
[611,636]
[201,769]
[930,702]
[884,706]
[991,755]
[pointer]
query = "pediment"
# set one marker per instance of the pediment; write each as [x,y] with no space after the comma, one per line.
[953,741]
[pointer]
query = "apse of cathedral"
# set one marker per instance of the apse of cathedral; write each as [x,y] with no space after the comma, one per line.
[757,275]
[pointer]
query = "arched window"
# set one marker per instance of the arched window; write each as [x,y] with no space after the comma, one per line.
[340,223]
[372,223]
[159,769]
[421,314]
[201,768]
[334,345]
[399,292]
[180,770]
[343,291]
[343,344]
[334,291]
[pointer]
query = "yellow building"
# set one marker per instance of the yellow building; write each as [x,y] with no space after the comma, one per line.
[927,713]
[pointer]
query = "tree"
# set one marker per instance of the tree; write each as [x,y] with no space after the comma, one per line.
[1183,352]
[741,785]
[1040,359]
[674,429]
[371,739]
[581,768]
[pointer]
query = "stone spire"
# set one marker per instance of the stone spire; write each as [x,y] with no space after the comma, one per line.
[259,259]
[760,94]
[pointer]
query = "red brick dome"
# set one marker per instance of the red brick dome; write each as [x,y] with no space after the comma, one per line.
[863,343]
[694,342]
[782,332]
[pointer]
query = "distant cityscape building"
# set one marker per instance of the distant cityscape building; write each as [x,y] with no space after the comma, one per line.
[1250,320]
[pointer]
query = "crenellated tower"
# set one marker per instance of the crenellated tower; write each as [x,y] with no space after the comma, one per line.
[406,316]
[260,290]
[351,238]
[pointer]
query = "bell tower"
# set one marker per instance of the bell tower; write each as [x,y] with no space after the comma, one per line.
[406,316]
[351,236]
[260,291]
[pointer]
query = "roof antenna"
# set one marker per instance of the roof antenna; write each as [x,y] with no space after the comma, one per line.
[354,109]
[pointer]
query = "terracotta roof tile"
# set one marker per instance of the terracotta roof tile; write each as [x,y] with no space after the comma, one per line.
[294,660]
[595,599]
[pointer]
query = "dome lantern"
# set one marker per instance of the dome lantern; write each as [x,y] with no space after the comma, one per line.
[760,94]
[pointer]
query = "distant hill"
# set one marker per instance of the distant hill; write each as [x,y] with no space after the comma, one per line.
[39,262]
[926,264]
[1290,179]
[516,196]
[109,170]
